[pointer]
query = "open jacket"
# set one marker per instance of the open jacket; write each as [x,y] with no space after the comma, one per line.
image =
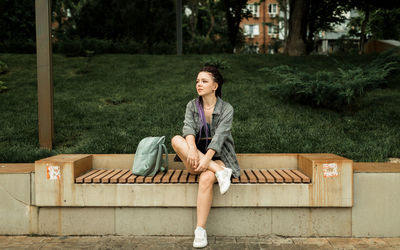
[221,124]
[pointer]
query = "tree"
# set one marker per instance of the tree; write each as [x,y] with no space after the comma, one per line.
[385,24]
[17,26]
[234,14]
[366,7]
[296,41]
[307,18]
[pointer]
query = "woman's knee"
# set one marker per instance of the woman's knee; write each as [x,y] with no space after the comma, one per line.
[176,140]
[207,179]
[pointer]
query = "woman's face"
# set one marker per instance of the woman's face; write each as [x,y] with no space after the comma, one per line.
[205,84]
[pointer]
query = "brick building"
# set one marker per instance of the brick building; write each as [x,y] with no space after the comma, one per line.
[263,29]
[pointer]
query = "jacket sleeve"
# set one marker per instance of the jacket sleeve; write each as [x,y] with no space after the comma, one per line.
[222,131]
[188,123]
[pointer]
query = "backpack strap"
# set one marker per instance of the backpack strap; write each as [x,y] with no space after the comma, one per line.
[165,169]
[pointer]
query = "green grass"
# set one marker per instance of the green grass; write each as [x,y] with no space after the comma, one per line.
[124,98]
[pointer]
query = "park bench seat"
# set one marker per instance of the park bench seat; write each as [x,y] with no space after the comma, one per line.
[266,180]
[267,176]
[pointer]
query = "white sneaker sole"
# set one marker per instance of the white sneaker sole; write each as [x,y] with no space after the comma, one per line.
[200,245]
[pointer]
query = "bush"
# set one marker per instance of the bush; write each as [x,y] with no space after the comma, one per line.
[98,46]
[203,45]
[332,90]
[215,61]
[18,46]
[70,47]
[78,47]
[163,48]
[3,86]
[3,67]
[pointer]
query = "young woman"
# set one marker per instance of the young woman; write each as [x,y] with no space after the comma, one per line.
[206,147]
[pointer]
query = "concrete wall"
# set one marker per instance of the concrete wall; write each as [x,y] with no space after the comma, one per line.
[376,210]
[18,215]
[374,214]
[182,221]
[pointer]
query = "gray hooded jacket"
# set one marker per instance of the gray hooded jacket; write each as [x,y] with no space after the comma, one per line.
[222,141]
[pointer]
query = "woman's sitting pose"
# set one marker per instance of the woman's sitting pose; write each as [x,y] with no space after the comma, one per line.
[206,146]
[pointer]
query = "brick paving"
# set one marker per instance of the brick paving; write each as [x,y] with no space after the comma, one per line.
[185,242]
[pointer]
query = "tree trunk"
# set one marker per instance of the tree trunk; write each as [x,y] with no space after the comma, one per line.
[212,19]
[363,28]
[296,42]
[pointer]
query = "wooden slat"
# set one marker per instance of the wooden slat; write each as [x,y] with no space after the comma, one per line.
[115,178]
[243,177]
[124,178]
[140,179]
[167,176]
[176,175]
[251,176]
[98,178]
[158,176]
[148,179]
[107,178]
[276,176]
[235,180]
[295,178]
[184,177]
[132,178]
[304,178]
[268,176]
[258,174]
[89,179]
[80,178]
[285,176]
[192,178]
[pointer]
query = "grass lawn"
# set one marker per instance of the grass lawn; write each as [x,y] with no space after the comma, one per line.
[124,98]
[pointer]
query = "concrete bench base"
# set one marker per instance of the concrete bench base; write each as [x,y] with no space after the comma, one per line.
[374,213]
[182,221]
[329,185]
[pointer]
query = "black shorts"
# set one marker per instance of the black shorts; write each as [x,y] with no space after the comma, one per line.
[201,145]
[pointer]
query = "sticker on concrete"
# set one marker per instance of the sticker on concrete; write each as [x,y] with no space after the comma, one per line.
[53,172]
[330,169]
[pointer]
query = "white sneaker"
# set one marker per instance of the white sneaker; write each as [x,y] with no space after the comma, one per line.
[200,237]
[224,179]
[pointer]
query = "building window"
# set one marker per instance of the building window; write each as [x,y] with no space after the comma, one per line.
[251,30]
[254,9]
[273,30]
[272,9]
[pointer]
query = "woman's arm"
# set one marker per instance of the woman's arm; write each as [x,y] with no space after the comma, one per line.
[189,135]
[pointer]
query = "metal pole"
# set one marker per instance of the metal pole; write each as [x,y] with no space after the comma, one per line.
[44,73]
[179,27]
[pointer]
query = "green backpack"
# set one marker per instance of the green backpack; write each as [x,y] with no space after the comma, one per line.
[148,157]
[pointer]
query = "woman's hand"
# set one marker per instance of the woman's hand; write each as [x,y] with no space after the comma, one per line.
[193,157]
[203,164]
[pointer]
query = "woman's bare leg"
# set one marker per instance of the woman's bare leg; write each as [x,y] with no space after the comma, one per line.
[206,179]
[181,148]
[205,195]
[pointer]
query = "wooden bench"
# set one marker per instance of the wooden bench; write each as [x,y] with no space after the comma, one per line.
[272,180]
[267,176]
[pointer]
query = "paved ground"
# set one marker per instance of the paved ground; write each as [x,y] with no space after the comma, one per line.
[184,242]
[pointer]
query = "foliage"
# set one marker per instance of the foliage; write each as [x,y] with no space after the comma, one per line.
[385,24]
[215,61]
[3,86]
[3,67]
[17,20]
[332,90]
